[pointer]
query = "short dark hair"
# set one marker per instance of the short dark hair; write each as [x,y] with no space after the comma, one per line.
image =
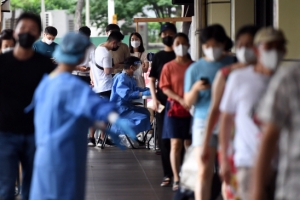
[141,47]
[183,35]
[33,17]
[51,31]
[85,31]
[7,34]
[112,27]
[247,29]
[130,61]
[228,44]
[115,36]
[216,32]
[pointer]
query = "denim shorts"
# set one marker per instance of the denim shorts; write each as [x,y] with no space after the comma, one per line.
[198,129]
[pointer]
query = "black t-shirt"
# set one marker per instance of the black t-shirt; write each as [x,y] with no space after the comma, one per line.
[159,60]
[18,81]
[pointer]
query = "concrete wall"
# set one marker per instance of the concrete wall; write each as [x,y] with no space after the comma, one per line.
[288,20]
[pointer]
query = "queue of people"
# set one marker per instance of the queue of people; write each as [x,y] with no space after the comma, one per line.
[238,111]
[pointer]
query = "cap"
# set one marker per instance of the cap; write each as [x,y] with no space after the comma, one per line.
[269,34]
[168,26]
[71,48]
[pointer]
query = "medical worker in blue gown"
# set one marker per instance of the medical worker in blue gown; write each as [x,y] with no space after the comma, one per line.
[124,91]
[65,107]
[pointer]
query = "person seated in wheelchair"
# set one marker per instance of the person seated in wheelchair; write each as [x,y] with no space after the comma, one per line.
[125,91]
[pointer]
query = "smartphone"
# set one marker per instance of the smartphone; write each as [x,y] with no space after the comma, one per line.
[205,80]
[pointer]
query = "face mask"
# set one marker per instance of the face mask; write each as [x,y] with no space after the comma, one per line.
[115,48]
[181,50]
[8,49]
[48,41]
[135,44]
[213,54]
[245,55]
[271,58]
[26,40]
[168,41]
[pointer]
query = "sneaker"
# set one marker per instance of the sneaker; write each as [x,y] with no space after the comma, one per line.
[99,144]
[92,142]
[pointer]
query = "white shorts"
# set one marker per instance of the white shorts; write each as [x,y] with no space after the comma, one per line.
[198,134]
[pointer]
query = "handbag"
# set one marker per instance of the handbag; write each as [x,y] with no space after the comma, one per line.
[189,170]
[177,110]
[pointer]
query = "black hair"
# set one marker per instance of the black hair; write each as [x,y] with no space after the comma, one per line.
[51,31]
[182,35]
[33,17]
[228,44]
[115,36]
[112,27]
[7,34]
[130,61]
[247,29]
[141,47]
[215,32]
[85,31]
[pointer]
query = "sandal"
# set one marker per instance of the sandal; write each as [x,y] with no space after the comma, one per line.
[175,186]
[165,182]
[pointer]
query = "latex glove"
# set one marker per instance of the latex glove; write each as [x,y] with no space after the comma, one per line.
[122,124]
[146,93]
[145,89]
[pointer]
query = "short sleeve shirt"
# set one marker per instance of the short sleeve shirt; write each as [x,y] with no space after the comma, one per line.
[43,48]
[120,55]
[281,106]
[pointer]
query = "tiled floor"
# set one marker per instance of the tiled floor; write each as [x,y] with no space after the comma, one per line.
[132,174]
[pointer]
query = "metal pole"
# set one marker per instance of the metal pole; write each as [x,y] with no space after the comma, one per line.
[198,24]
[43,9]
[87,13]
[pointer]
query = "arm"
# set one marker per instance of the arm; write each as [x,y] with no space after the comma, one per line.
[224,136]
[107,65]
[263,165]
[176,97]
[145,67]
[214,112]
[92,79]
[191,96]
[123,90]
[153,93]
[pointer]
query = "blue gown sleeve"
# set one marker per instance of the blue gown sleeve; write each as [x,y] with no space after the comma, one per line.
[124,91]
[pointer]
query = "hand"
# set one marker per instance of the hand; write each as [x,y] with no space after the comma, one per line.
[200,85]
[182,102]
[205,153]
[92,83]
[155,105]
[125,126]
[146,93]
[83,69]
[225,172]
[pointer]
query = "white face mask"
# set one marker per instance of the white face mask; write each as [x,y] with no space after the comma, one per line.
[270,58]
[8,49]
[135,44]
[245,55]
[213,54]
[48,41]
[181,50]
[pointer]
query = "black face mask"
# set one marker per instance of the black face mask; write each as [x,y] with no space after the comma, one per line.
[115,48]
[168,41]
[26,40]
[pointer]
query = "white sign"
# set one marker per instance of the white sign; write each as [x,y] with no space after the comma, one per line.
[5,5]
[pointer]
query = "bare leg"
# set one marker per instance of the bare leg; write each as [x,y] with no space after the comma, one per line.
[175,155]
[205,175]
[187,143]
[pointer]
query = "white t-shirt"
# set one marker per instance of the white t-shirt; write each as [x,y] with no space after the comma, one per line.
[103,58]
[243,92]
[88,59]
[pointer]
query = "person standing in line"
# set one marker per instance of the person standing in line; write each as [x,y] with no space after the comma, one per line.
[177,116]
[167,33]
[7,40]
[243,91]
[20,73]
[102,69]
[246,57]
[46,45]
[121,53]
[83,69]
[137,49]
[198,78]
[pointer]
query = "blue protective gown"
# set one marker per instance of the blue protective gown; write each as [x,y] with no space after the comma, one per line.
[65,107]
[123,92]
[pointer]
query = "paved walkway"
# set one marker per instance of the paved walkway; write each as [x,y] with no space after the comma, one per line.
[135,174]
